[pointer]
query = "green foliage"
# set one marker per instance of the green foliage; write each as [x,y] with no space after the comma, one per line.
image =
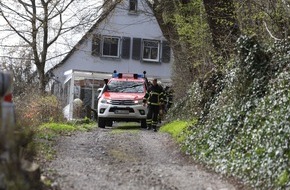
[267,129]
[254,17]
[193,46]
[190,105]
[13,139]
[190,21]
[198,98]
[51,130]
[246,132]
[283,178]
[32,139]
[250,17]
[57,127]
[176,129]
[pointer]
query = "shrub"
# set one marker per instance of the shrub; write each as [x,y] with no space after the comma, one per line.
[16,143]
[246,131]
[34,109]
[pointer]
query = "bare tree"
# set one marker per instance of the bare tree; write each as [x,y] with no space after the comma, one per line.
[41,23]
[22,71]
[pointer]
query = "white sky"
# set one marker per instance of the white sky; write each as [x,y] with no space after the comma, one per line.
[11,39]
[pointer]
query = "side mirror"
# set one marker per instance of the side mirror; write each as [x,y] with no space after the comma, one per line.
[5,83]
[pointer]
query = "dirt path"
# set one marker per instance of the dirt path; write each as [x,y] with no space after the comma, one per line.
[128,159]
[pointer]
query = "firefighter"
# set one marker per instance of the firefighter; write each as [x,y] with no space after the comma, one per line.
[153,98]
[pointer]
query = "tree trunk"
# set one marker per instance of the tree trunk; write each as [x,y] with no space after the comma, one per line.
[223,25]
[42,77]
[163,10]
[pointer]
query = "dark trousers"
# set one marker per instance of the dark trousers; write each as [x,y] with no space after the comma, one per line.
[152,116]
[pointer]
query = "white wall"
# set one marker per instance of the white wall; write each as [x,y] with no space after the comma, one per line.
[120,23]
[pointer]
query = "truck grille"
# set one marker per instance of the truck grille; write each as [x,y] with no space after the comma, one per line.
[122,102]
[113,109]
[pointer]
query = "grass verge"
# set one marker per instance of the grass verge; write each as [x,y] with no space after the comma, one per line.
[177,128]
[46,134]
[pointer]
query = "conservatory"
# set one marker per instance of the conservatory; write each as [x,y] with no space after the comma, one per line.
[80,92]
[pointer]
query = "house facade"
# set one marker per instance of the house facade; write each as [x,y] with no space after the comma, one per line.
[126,38]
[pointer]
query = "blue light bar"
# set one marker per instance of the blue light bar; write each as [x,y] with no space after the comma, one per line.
[140,75]
[121,75]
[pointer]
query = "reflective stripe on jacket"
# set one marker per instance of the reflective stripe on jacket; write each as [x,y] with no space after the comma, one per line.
[154,95]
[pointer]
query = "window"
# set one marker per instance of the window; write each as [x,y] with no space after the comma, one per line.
[133,6]
[111,47]
[126,86]
[151,50]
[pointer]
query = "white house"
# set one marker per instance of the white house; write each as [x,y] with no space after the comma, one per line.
[126,38]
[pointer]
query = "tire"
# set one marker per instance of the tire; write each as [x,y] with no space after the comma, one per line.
[143,123]
[109,123]
[101,123]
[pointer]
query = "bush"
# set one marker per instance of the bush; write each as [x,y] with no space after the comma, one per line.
[35,109]
[16,143]
[12,144]
[245,132]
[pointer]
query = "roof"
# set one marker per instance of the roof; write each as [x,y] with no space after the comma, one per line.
[108,6]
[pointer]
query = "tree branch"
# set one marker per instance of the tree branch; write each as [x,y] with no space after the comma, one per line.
[272,36]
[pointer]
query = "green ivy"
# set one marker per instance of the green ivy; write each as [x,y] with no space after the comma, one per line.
[246,130]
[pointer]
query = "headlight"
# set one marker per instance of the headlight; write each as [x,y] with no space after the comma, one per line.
[138,101]
[106,101]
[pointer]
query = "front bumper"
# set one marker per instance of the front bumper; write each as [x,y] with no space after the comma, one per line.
[122,112]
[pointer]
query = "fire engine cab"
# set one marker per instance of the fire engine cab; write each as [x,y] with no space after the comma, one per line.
[122,99]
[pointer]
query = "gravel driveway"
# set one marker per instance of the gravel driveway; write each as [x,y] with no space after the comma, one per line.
[128,158]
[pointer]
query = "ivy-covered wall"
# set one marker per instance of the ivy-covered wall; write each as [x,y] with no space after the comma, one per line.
[244,130]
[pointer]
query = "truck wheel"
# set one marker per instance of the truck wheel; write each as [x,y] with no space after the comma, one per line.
[143,123]
[109,123]
[101,123]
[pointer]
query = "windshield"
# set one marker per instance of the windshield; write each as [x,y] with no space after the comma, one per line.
[126,86]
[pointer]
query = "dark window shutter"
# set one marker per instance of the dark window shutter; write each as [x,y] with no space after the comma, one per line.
[136,51]
[165,52]
[126,44]
[96,44]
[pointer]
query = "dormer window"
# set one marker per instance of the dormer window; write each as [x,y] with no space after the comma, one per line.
[132,6]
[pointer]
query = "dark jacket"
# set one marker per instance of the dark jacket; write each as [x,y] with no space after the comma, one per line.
[154,95]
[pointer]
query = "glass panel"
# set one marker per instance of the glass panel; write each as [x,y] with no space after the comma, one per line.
[151,49]
[106,48]
[86,96]
[154,53]
[114,49]
[126,87]
[146,53]
[111,46]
